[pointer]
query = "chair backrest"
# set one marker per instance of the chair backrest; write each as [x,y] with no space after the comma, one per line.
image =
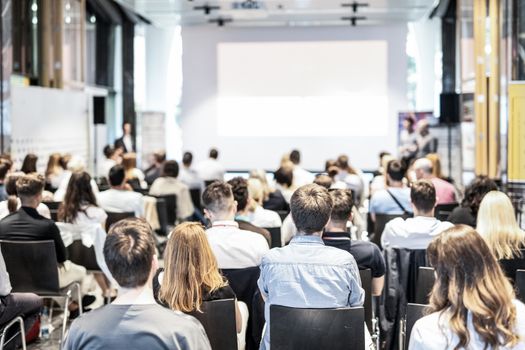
[218,319]
[83,256]
[425,282]
[510,266]
[442,211]
[334,329]
[414,313]
[171,208]
[275,232]
[52,205]
[32,266]
[283,214]
[195,194]
[162,214]
[115,217]
[380,223]
[366,283]
[520,285]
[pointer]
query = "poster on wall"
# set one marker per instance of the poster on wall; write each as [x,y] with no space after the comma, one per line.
[152,136]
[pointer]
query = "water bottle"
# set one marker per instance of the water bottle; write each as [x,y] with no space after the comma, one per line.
[45,323]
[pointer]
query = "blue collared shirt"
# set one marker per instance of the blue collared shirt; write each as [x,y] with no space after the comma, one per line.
[308,274]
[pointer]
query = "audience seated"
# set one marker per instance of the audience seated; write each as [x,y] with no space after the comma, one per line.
[188,175]
[257,214]
[120,198]
[133,174]
[284,181]
[29,164]
[72,164]
[27,224]
[467,212]
[54,170]
[211,169]
[472,304]
[242,197]
[111,158]
[12,205]
[300,175]
[497,225]
[273,199]
[234,248]
[381,170]
[12,305]
[332,171]
[351,176]
[379,182]
[445,191]
[366,254]
[168,184]
[5,166]
[395,198]
[191,276]
[155,170]
[134,320]
[416,232]
[306,273]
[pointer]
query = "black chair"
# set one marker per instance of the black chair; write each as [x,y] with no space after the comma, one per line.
[414,313]
[380,223]
[510,266]
[195,194]
[17,321]
[83,256]
[366,283]
[283,214]
[32,268]
[304,329]
[425,282]
[520,285]
[52,205]
[275,232]
[102,183]
[115,217]
[442,211]
[218,319]
[171,208]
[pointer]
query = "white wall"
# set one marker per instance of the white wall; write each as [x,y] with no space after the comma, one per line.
[198,116]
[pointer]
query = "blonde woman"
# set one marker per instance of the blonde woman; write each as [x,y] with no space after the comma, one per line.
[54,170]
[472,304]
[272,199]
[258,215]
[497,225]
[191,276]
[134,176]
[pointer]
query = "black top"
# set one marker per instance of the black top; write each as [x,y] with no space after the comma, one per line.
[462,215]
[225,292]
[366,254]
[27,224]
[276,202]
[510,266]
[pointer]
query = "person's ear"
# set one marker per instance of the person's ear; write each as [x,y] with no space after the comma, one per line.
[207,214]
[235,205]
[155,263]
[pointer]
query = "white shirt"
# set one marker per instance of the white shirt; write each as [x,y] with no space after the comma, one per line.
[121,201]
[412,233]
[42,209]
[235,248]
[433,332]
[302,177]
[92,215]
[210,169]
[264,218]
[105,166]
[128,143]
[189,177]
[169,185]
[62,188]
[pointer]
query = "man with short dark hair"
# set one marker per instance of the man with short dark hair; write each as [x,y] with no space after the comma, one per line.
[134,320]
[242,197]
[169,184]
[416,232]
[366,254]
[300,175]
[211,169]
[120,198]
[155,170]
[306,273]
[234,248]
[395,199]
[109,161]
[188,175]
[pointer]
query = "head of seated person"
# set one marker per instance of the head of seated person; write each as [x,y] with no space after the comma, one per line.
[29,189]
[186,282]
[284,176]
[117,177]
[341,210]
[395,172]
[325,181]
[79,194]
[241,194]
[423,198]
[129,251]
[311,206]
[129,161]
[256,191]
[187,159]
[218,201]
[470,287]
[214,153]
[5,166]
[159,158]
[423,168]
[29,164]
[295,157]
[170,169]
[476,191]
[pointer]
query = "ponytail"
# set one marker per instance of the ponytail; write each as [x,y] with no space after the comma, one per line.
[12,204]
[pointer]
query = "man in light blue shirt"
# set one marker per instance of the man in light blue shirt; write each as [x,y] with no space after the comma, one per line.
[306,273]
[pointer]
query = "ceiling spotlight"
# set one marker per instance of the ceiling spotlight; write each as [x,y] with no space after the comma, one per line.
[207,8]
[355,5]
[220,21]
[353,19]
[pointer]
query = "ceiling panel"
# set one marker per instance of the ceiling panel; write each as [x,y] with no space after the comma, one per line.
[281,12]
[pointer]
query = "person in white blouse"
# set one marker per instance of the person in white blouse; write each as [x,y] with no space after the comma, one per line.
[472,304]
[259,216]
[300,176]
[211,169]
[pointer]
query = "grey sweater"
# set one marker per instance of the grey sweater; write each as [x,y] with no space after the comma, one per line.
[5,284]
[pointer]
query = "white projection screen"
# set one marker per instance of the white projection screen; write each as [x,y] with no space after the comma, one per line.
[302,89]
[256,93]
